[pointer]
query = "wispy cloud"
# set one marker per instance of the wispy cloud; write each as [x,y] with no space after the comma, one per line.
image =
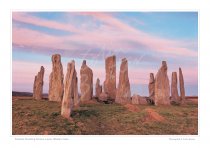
[107,35]
[112,34]
[29,19]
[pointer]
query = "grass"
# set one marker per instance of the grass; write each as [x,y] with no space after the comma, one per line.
[32,117]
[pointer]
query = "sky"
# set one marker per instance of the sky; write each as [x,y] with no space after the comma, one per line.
[144,38]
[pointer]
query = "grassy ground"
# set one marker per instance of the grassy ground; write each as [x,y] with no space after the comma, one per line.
[43,117]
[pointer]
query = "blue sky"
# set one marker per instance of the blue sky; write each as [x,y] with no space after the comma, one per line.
[144,38]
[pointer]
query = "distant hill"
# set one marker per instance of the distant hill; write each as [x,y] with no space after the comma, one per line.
[17,93]
[26,94]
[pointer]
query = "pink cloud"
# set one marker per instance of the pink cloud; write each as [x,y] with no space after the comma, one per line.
[112,35]
[130,33]
[26,18]
[31,38]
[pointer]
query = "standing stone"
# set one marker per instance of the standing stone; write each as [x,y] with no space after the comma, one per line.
[110,81]
[136,99]
[103,97]
[174,91]
[56,79]
[86,82]
[34,87]
[38,84]
[76,94]
[181,83]
[152,87]
[70,90]
[123,94]
[162,87]
[98,88]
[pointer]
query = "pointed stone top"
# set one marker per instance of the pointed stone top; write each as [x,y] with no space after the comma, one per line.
[97,81]
[42,68]
[152,77]
[71,64]
[180,69]
[56,57]
[164,63]
[174,74]
[84,62]
[124,60]
[113,56]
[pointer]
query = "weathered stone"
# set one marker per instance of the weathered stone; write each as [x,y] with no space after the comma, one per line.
[86,82]
[136,99]
[70,90]
[123,94]
[34,87]
[149,101]
[143,101]
[38,84]
[162,87]
[174,91]
[152,87]
[110,81]
[56,87]
[98,88]
[76,94]
[103,96]
[181,83]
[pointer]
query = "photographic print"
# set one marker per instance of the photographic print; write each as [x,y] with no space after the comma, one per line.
[104,73]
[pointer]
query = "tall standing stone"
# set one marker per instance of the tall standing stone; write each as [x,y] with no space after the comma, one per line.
[110,81]
[174,90]
[123,94]
[162,87]
[181,83]
[56,87]
[70,90]
[38,84]
[34,87]
[152,87]
[86,82]
[98,88]
[76,94]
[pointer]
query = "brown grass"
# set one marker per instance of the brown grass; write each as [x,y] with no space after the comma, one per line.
[152,115]
[132,108]
[32,117]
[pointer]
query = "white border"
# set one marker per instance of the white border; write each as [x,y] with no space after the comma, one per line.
[97,5]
